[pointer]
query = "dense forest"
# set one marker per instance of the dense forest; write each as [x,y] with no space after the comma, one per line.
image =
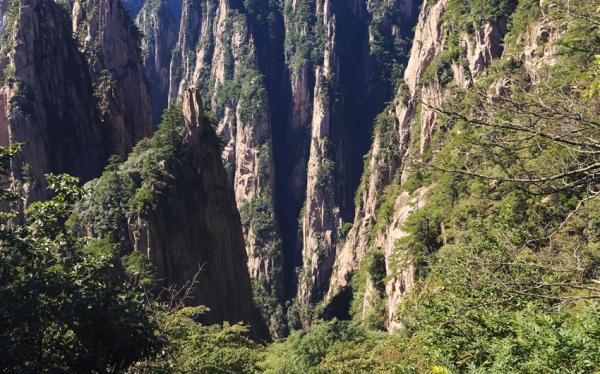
[307,186]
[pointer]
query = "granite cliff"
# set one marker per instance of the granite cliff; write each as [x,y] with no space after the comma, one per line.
[73,88]
[295,87]
[172,202]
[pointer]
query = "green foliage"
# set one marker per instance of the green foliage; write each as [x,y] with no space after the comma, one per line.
[326,167]
[388,51]
[257,214]
[258,217]
[440,68]
[304,38]
[346,227]
[505,236]
[470,317]
[134,186]
[561,343]
[388,137]
[194,348]
[303,352]
[499,289]
[144,21]
[377,272]
[63,307]
[335,347]
[578,47]
[385,208]
[72,304]
[103,91]
[265,13]
[505,242]
[8,74]
[10,17]
[594,89]
[243,89]
[372,272]
[525,15]
[477,12]
[139,268]
[464,17]
[424,238]
[9,23]
[8,195]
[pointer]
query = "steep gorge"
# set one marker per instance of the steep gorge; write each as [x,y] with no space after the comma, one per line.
[411,122]
[300,91]
[295,88]
[298,186]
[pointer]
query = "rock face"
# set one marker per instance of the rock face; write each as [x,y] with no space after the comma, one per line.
[216,51]
[3,6]
[391,142]
[110,41]
[401,279]
[172,201]
[74,92]
[300,90]
[540,48]
[195,232]
[405,129]
[47,98]
[160,29]
[338,90]
[71,108]
[295,86]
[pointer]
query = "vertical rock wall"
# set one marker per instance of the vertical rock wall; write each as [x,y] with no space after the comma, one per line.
[73,91]
[195,231]
[295,87]
[405,131]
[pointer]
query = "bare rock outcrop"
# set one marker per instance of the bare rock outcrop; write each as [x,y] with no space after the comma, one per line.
[321,221]
[216,50]
[110,42]
[294,87]
[196,230]
[47,99]
[71,102]
[191,231]
[539,48]
[382,166]
[337,126]
[401,278]
[160,29]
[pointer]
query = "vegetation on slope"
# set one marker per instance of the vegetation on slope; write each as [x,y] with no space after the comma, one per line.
[507,244]
[64,307]
[507,247]
[71,303]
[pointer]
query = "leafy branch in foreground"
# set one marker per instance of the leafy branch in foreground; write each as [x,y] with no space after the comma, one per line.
[543,142]
[63,307]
